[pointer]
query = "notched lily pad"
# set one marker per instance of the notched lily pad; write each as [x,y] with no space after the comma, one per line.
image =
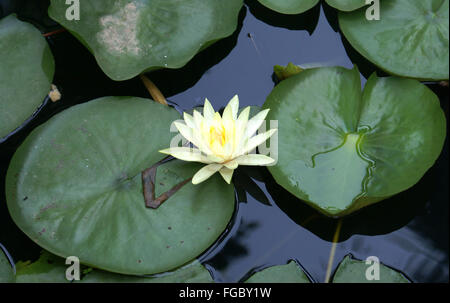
[290,7]
[341,149]
[288,273]
[409,40]
[74,187]
[356,271]
[26,73]
[128,37]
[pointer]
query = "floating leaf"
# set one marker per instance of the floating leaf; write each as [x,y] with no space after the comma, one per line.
[74,187]
[194,272]
[354,271]
[346,5]
[27,69]
[128,37]
[289,273]
[52,269]
[340,149]
[284,72]
[47,269]
[290,7]
[410,39]
[6,271]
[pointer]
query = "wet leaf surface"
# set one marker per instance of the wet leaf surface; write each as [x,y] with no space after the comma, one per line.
[343,149]
[76,190]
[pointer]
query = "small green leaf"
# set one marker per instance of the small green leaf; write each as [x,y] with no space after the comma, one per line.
[26,73]
[289,273]
[290,7]
[128,37]
[354,271]
[284,72]
[340,149]
[409,40]
[74,187]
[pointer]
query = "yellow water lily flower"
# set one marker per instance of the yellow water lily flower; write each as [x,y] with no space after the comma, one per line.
[223,142]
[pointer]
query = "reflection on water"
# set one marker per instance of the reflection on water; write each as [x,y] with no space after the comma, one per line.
[408,232]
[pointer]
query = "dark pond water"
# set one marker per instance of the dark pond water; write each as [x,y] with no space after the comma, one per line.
[408,232]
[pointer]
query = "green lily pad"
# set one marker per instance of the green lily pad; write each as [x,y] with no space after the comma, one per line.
[26,74]
[47,269]
[409,40]
[74,187]
[194,272]
[52,269]
[346,5]
[288,273]
[290,7]
[354,271]
[128,37]
[6,271]
[340,149]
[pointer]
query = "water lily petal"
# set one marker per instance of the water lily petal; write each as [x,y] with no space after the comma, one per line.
[254,159]
[208,110]
[198,119]
[245,113]
[189,120]
[257,140]
[187,154]
[186,132]
[226,174]
[233,164]
[231,110]
[206,172]
[255,122]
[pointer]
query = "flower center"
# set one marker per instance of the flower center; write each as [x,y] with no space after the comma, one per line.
[217,134]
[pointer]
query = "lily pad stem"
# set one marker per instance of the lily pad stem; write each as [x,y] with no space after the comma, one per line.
[333,250]
[153,90]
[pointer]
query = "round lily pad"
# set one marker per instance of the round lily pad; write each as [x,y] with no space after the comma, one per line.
[288,273]
[409,40]
[128,37]
[74,187]
[356,271]
[290,7]
[346,5]
[340,149]
[27,69]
